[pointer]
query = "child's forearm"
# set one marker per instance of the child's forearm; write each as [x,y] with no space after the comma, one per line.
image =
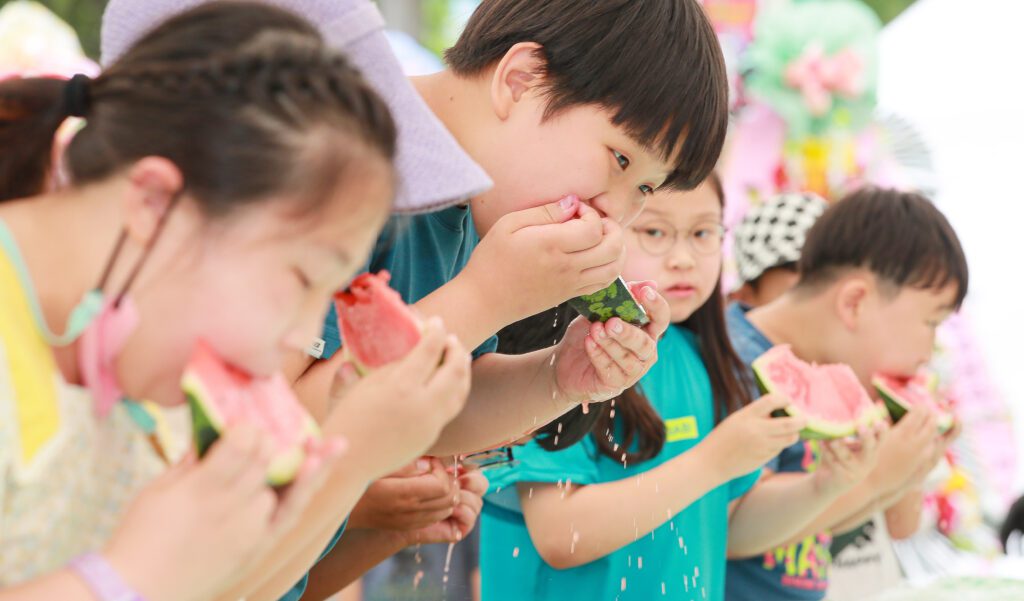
[465,311]
[358,551]
[774,511]
[511,396]
[856,504]
[573,526]
[856,520]
[904,517]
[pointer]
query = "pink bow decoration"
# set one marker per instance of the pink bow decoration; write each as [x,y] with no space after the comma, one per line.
[819,77]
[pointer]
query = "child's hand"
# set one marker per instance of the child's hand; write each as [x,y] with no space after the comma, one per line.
[534,259]
[418,495]
[844,462]
[472,485]
[749,438]
[395,413]
[908,449]
[191,532]
[597,361]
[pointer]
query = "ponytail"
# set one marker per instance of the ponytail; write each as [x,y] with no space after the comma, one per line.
[31,112]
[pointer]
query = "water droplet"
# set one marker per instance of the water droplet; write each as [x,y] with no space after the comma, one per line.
[680,542]
[556,440]
[552,359]
[639,563]
[696,572]
[611,413]
[586,408]
[663,589]
[531,493]
[515,552]
[623,583]
[615,448]
[417,579]
[448,565]
[559,427]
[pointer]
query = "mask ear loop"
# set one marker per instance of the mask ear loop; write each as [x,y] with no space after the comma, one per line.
[142,259]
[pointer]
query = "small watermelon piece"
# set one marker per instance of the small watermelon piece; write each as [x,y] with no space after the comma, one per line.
[900,394]
[377,327]
[829,396]
[221,396]
[614,301]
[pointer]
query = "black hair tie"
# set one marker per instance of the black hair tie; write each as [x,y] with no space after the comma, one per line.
[76,96]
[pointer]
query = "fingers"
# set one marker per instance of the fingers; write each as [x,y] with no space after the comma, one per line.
[474,482]
[559,211]
[767,404]
[236,455]
[450,383]
[423,360]
[603,363]
[656,306]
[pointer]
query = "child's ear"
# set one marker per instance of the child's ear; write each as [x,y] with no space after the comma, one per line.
[153,184]
[519,71]
[851,301]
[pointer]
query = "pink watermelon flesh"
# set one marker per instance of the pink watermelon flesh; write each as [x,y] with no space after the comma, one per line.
[830,396]
[900,394]
[376,326]
[222,396]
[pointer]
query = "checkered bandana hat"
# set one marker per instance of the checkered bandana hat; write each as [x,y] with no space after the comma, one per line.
[773,233]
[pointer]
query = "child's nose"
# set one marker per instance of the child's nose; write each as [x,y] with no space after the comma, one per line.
[617,206]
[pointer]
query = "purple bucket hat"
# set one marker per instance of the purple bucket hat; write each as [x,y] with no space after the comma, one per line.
[434,171]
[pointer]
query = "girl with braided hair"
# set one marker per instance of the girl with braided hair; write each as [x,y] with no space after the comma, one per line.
[233,172]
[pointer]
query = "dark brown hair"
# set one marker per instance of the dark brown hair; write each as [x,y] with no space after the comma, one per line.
[656,64]
[244,98]
[629,428]
[901,237]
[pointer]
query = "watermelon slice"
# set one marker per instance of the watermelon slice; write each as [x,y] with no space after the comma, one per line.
[830,396]
[376,326]
[221,396]
[900,394]
[614,301]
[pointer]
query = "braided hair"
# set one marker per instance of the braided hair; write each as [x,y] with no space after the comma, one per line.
[244,98]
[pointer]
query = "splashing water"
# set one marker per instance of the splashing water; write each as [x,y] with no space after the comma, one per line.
[623,583]
[663,589]
[640,563]
[417,580]
[448,566]
[515,552]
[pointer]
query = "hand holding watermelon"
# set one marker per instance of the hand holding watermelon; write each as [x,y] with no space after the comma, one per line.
[748,438]
[532,260]
[394,413]
[846,462]
[910,450]
[596,361]
[210,519]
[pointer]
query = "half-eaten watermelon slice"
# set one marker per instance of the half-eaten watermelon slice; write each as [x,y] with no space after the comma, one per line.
[900,394]
[829,396]
[222,396]
[376,326]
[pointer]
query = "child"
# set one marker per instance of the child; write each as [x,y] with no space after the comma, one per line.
[880,271]
[228,185]
[767,245]
[640,508]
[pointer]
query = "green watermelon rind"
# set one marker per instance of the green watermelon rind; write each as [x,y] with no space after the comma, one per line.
[614,301]
[207,428]
[898,408]
[816,429]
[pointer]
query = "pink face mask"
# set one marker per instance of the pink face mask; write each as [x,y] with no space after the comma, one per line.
[99,347]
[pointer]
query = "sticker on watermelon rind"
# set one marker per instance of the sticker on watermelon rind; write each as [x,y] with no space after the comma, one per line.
[614,301]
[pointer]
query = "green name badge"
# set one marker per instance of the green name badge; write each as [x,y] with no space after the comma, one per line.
[614,301]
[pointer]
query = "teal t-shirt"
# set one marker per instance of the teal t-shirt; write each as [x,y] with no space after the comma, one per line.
[682,559]
[422,253]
